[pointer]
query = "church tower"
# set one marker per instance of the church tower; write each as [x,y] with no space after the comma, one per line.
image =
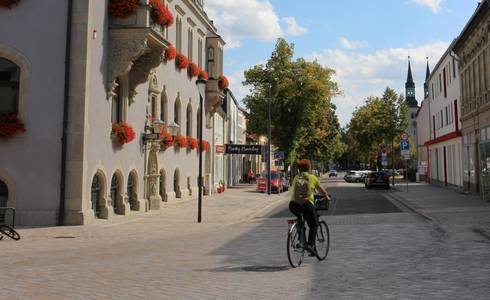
[410,88]
[426,83]
[412,112]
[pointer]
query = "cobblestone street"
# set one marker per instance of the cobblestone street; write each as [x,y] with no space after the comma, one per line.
[241,254]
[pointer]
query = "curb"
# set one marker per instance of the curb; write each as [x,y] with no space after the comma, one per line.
[410,207]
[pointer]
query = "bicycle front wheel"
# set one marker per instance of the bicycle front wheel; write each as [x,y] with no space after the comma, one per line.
[322,241]
[10,232]
[295,249]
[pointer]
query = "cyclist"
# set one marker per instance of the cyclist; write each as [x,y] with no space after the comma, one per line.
[303,201]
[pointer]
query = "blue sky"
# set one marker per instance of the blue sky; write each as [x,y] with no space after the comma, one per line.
[366,42]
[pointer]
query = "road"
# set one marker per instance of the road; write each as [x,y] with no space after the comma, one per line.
[379,250]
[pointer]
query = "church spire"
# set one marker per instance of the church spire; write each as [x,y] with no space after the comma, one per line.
[426,83]
[410,88]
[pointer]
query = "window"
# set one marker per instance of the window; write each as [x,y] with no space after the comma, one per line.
[131,189]
[189,120]
[447,117]
[9,87]
[440,83]
[154,112]
[211,67]
[177,111]
[178,34]
[115,192]
[199,53]
[95,195]
[199,121]
[164,108]
[4,195]
[454,67]
[190,45]
[442,119]
[116,104]
[445,82]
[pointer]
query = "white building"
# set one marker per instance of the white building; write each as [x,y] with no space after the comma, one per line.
[68,167]
[445,144]
[236,135]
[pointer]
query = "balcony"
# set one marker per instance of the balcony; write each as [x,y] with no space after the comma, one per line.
[137,45]
[214,95]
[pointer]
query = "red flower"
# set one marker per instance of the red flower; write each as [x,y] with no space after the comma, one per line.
[167,139]
[182,61]
[170,53]
[9,3]
[205,145]
[192,143]
[193,70]
[10,125]
[223,82]
[160,14]
[121,8]
[180,141]
[122,133]
[204,75]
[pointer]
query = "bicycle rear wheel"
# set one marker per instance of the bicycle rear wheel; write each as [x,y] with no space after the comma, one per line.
[322,241]
[10,232]
[295,249]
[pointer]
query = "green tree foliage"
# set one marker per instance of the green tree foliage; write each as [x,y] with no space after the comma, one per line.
[376,124]
[304,123]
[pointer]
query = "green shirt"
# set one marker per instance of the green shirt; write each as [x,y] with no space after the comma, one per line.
[314,184]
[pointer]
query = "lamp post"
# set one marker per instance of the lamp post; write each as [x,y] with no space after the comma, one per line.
[201,86]
[269,142]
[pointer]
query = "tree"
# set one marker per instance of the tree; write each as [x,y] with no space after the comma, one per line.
[304,122]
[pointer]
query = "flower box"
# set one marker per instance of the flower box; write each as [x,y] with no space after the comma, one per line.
[122,133]
[121,9]
[9,3]
[193,70]
[10,125]
[166,139]
[203,75]
[223,82]
[160,14]
[180,141]
[170,53]
[182,61]
[192,143]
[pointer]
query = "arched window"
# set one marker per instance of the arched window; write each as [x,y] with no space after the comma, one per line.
[189,119]
[115,192]
[163,188]
[116,110]
[9,87]
[164,108]
[190,44]
[96,195]
[177,118]
[131,190]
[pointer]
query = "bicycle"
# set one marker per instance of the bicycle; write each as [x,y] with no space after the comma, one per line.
[6,229]
[296,242]
[9,231]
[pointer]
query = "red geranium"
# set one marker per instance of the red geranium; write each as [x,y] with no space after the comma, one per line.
[223,82]
[193,70]
[167,139]
[9,3]
[122,133]
[180,141]
[120,8]
[160,14]
[204,75]
[191,143]
[182,61]
[10,125]
[170,53]
[205,145]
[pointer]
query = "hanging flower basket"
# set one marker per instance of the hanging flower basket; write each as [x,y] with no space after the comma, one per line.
[223,82]
[122,133]
[160,14]
[166,139]
[180,141]
[203,75]
[193,70]
[192,143]
[120,8]
[170,53]
[9,3]
[182,61]
[10,125]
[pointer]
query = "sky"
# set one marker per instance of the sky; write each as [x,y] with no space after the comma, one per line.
[367,43]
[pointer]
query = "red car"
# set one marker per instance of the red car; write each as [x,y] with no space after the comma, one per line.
[277,182]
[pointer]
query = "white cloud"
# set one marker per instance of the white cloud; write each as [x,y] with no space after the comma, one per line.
[364,74]
[238,20]
[292,27]
[352,44]
[434,5]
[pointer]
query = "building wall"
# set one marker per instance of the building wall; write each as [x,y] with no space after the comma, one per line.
[30,163]
[423,136]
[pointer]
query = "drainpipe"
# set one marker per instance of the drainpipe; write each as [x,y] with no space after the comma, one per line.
[61,211]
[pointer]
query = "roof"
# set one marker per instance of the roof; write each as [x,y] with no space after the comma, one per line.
[440,61]
[482,7]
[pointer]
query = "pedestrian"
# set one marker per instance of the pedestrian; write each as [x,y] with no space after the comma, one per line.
[302,201]
[250,176]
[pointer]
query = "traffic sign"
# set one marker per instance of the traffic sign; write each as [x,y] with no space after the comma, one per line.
[279,155]
[404,145]
[404,136]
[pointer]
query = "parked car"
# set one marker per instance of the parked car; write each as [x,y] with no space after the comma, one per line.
[380,179]
[285,183]
[277,182]
[354,176]
[332,173]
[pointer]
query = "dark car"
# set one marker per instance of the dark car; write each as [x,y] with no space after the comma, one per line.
[380,179]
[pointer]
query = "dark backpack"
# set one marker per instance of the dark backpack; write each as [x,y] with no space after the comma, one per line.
[302,189]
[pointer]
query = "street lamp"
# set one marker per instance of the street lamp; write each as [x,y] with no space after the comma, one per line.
[157,126]
[173,128]
[201,87]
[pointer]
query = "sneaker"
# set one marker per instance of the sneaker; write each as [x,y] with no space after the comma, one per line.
[312,250]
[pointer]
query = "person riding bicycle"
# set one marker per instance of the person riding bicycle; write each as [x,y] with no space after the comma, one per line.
[303,199]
